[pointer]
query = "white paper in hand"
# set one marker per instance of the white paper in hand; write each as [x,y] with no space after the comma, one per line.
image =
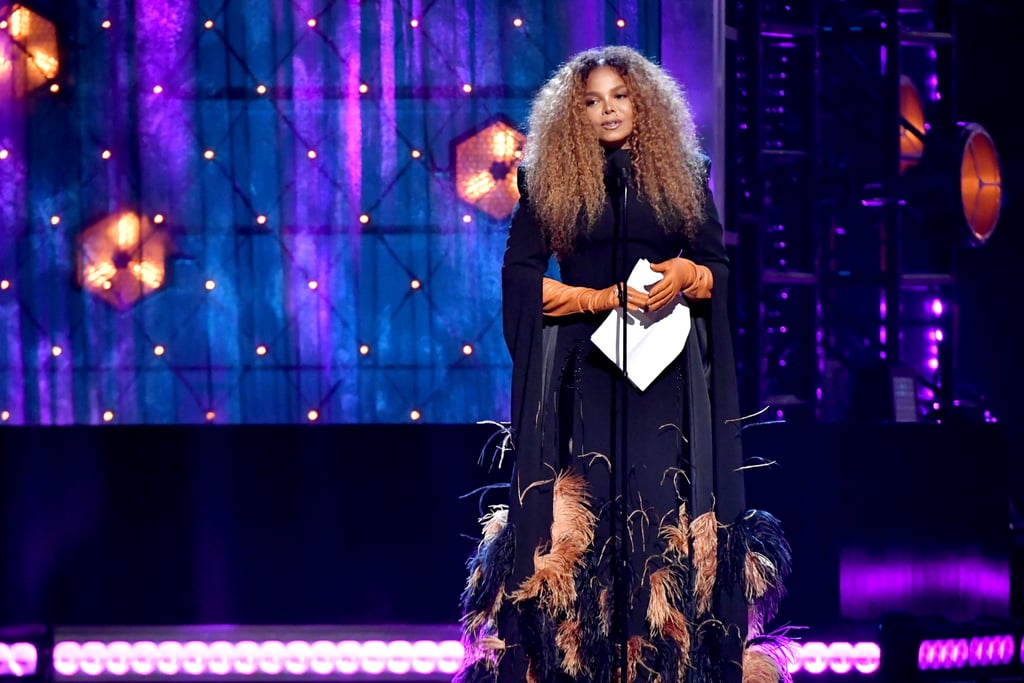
[653,340]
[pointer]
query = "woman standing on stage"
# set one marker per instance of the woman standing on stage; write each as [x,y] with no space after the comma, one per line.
[625,541]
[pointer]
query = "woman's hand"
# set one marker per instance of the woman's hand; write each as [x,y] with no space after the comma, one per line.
[561,299]
[679,276]
[635,299]
[601,300]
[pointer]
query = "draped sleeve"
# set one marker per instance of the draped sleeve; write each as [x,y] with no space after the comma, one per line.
[708,248]
[526,259]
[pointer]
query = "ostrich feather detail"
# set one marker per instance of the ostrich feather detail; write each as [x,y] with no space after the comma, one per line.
[704,531]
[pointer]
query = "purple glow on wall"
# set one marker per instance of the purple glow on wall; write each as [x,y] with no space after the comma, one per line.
[589,21]
[968,585]
[164,38]
[12,190]
[386,101]
[12,201]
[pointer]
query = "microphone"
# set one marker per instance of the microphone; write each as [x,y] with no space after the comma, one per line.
[620,166]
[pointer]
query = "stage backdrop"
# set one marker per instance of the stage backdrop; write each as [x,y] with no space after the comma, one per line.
[269,210]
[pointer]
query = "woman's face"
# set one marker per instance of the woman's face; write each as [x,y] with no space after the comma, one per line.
[609,110]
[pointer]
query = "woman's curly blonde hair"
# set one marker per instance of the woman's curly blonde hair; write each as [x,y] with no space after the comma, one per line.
[565,162]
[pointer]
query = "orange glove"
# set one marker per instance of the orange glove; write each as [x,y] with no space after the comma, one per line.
[680,276]
[562,299]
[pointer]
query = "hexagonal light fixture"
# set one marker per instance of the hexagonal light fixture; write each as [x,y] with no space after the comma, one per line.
[121,258]
[486,160]
[28,50]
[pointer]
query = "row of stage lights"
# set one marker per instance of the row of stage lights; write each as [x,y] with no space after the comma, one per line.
[22,21]
[963,653]
[124,235]
[98,659]
[261,349]
[312,415]
[277,658]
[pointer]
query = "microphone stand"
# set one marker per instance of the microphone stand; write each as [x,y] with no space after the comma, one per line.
[621,271]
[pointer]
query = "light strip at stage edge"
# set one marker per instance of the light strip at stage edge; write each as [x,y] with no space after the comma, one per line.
[421,652]
[274,652]
[835,658]
[268,658]
[962,653]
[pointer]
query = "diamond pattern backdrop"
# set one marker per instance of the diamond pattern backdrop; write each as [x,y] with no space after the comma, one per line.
[296,158]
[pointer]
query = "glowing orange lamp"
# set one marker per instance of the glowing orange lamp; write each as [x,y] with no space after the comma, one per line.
[981,187]
[121,258]
[486,161]
[28,51]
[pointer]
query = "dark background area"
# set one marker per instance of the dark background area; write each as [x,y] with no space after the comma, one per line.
[228,524]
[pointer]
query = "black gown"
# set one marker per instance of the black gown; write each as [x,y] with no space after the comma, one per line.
[555,586]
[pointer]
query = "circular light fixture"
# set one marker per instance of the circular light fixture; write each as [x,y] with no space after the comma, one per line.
[957,185]
[981,188]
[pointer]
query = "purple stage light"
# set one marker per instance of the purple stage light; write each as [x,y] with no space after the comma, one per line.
[18,659]
[170,656]
[840,657]
[924,655]
[814,657]
[958,656]
[1004,649]
[959,653]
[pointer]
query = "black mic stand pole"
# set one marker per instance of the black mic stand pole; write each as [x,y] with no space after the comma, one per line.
[622,272]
